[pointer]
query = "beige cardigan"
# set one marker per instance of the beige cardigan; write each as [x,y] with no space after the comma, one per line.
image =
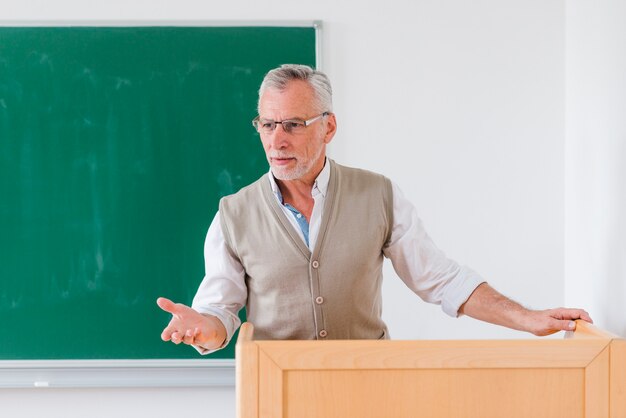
[333,292]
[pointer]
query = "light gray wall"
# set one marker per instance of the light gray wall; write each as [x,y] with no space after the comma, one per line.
[469,122]
[595,194]
[461,103]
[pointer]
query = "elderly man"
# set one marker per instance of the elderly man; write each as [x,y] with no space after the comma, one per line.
[302,247]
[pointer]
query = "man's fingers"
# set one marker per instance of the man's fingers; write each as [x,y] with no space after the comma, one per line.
[566,325]
[177,338]
[585,316]
[168,306]
[189,337]
[180,336]
[565,313]
[165,335]
[174,335]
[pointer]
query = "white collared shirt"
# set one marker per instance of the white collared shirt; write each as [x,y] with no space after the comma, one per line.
[318,192]
[418,262]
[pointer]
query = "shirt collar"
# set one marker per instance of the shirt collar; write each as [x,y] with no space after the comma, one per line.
[320,186]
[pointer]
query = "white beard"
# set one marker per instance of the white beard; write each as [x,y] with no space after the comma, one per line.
[300,170]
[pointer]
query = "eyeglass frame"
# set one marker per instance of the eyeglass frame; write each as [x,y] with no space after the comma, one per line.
[258,128]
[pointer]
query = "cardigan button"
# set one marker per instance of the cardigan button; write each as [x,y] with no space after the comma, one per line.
[319,300]
[323,333]
[315,264]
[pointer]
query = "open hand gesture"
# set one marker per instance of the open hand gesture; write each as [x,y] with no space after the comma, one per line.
[191,327]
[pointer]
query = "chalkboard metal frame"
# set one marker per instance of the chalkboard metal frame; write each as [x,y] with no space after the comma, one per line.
[116,373]
[41,374]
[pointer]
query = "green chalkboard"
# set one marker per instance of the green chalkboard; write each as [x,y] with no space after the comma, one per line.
[116,144]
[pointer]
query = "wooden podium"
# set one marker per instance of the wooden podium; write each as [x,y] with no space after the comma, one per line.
[581,376]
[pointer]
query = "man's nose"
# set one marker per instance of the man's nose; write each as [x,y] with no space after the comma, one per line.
[279,137]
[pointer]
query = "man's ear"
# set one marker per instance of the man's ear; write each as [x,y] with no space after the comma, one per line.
[331,127]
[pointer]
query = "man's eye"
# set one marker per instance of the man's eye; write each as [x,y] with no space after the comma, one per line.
[267,125]
[291,124]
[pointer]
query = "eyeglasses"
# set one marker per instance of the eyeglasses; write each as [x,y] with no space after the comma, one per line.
[291,126]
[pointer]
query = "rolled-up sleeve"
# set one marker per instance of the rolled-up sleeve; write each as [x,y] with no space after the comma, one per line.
[422,266]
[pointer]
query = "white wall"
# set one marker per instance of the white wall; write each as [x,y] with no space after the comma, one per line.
[461,103]
[471,127]
[595,227]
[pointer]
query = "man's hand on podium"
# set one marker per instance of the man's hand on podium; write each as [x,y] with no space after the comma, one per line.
[549,321]
[488,305]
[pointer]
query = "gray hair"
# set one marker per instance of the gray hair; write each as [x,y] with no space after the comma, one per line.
[279,77]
